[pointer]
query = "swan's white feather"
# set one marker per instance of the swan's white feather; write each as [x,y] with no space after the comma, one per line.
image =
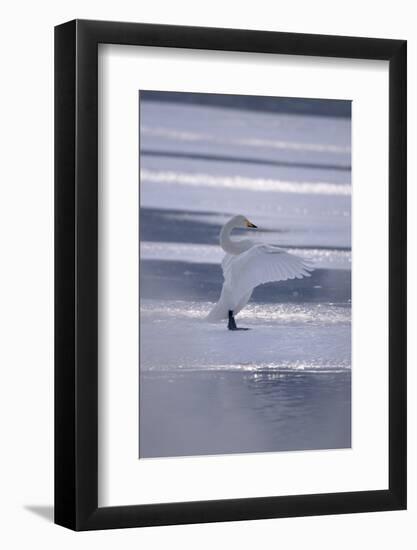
[248,264]
[262,263]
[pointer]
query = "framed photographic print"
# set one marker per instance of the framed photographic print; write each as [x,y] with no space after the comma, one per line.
[230,337]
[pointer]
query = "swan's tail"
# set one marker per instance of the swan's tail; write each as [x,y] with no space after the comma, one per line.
[226,303]
[218,313]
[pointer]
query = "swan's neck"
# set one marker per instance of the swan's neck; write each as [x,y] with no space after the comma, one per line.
[228,245]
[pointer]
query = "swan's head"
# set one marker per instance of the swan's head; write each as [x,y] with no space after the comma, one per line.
[241,221]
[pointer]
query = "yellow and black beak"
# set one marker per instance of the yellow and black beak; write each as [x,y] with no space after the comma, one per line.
[250,224]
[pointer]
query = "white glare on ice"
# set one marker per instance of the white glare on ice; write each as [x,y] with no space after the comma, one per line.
[179,135]
[284,338]
[244,183]
[255,312]
[208,253]
[319,367]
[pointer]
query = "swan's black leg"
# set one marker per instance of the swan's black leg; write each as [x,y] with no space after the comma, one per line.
[231,325]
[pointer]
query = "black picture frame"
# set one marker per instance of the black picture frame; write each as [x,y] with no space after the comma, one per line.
[76,272]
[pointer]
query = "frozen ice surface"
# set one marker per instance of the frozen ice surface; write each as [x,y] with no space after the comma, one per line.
[213,254]
[285,384]
[250,134]
[289,173]
[283,338]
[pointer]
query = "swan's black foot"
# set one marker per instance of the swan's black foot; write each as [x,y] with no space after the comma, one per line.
[231,325]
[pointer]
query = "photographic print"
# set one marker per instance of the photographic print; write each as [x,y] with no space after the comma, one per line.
[245,274]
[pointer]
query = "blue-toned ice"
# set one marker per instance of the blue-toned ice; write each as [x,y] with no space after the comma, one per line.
[284,385]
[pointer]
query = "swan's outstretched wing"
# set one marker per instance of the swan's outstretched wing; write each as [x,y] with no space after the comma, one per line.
[260,264]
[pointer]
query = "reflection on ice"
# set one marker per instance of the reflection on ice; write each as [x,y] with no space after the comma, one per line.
[238,412]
